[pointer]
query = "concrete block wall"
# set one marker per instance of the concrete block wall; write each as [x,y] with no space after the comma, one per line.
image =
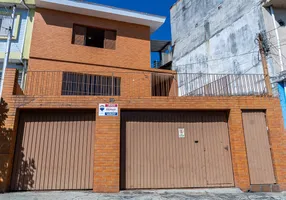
[205,32]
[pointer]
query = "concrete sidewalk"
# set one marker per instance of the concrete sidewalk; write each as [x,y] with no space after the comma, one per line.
[219,194]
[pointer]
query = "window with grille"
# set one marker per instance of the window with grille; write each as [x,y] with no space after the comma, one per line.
[90,85]
[94,37]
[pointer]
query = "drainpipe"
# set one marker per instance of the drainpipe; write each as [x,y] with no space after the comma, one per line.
[278,38]
[23,75]
[25,31]
[23,45]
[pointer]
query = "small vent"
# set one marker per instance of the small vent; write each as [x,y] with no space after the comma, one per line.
[281,22]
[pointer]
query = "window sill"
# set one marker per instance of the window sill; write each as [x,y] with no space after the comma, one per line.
[16,26]
[94,47]
[5,38]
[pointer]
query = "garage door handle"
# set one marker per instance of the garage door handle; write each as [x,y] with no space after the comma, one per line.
[226,148]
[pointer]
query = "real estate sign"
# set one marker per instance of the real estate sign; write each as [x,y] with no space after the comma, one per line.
[106,109]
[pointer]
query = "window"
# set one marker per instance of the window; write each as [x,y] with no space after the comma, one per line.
[5,23]
[94,37]
[281,22]
[90,85]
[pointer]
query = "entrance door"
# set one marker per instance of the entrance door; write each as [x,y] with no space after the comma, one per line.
[258,148]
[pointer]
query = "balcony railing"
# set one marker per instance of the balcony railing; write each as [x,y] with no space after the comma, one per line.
[122,84]
[141,84]
[221,84]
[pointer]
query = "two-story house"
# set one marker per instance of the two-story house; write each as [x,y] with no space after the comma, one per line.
[94,116]
[21,36]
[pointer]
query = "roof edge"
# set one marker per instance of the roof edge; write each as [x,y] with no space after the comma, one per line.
[103,11]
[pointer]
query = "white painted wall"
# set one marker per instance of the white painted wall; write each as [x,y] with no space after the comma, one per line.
[16,45]
[280,14]
[217,37]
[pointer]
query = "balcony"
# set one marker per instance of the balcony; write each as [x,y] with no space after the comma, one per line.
[164,50]
[136,85]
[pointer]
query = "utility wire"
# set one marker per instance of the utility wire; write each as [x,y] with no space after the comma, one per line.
[271,45]
[223,58]
[273,29]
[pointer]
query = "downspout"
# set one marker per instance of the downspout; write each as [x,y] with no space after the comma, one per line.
[23,45]
[25,32]
[23,75]
[277,37]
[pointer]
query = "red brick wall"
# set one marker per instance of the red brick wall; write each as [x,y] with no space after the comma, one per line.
[8,134]
[52,36]
[48,81]
[107,154]
[107,133]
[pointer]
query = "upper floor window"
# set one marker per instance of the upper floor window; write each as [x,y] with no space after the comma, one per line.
[94,37]
[6,23]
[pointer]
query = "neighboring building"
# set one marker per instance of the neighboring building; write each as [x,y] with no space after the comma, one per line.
[21,37]
[220,37]
[164,49]
[94,116]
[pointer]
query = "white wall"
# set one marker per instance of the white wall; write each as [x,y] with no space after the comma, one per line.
[217,37]
[16,45]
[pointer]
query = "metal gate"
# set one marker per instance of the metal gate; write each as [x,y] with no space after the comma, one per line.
[258,148]
[175,150]
[54,151]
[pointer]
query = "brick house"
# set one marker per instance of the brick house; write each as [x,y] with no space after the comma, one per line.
[86,55]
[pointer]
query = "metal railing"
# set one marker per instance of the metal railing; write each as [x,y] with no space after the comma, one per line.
[142,84]
[221,84]
[123,84]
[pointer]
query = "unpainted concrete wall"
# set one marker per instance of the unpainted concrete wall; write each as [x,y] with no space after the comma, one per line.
[280,14]
[209,34]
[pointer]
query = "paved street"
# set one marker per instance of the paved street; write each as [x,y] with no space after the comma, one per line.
[145,195]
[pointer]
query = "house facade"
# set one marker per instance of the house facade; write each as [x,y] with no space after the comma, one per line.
[21,36]
[94,116]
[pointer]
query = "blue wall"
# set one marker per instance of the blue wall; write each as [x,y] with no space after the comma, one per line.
[282,96]
[16,45]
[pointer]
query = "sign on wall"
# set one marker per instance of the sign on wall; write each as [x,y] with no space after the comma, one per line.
[107,109]
[181,132]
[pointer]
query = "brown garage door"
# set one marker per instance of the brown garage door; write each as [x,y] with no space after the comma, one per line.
[258,148]
[155,155]
[54,151]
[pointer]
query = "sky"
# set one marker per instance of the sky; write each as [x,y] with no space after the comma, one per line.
[157,7]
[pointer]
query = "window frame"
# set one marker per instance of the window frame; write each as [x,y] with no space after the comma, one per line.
[85,84]
[16,25]
[93,27]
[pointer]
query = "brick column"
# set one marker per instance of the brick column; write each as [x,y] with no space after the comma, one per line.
[107,154]
[9,82]
[238,150]
[7,135]
[277,140]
